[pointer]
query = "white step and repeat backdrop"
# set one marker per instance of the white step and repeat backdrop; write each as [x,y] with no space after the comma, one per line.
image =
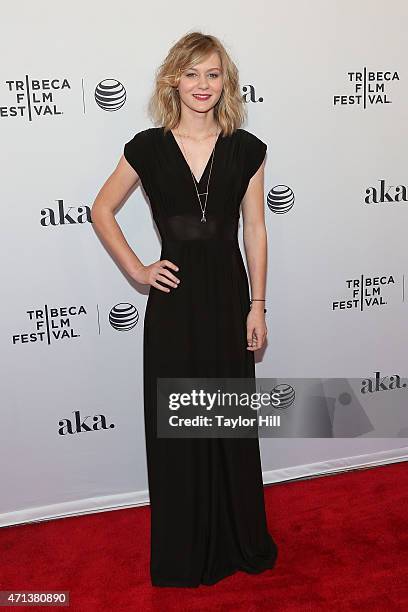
[326,86]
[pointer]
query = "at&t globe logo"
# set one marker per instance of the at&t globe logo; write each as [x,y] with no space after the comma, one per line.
[280,199]
[123,317]
[110,95]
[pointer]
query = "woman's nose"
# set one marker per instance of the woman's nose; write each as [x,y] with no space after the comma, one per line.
[203,82]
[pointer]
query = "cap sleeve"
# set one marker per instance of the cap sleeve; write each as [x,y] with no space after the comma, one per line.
[135,153]
[255,152]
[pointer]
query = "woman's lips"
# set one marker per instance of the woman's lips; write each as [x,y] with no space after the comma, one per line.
[202,96]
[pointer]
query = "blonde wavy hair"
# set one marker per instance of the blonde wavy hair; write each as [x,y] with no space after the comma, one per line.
[164,105]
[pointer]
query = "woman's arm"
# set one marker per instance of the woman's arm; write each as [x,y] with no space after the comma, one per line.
[108,200]
[255,241]
[106,203]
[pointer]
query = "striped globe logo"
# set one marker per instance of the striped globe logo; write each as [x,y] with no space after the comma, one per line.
[123,316]
[286,395]
[280,199]
[110,95]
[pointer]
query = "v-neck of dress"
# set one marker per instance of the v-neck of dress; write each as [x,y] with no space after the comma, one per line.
[198,181]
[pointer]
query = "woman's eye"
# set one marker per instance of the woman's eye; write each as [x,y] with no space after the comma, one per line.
[212,74]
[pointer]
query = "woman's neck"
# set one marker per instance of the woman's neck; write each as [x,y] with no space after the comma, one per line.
[197,129]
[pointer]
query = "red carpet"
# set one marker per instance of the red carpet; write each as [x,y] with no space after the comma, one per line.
[343,545]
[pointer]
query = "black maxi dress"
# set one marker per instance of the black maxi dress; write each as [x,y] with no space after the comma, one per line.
[206,494]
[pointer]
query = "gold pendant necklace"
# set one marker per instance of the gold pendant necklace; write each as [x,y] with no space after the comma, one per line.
[203,208]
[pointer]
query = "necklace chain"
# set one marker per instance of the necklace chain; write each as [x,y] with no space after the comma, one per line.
[198,139]
[203,208]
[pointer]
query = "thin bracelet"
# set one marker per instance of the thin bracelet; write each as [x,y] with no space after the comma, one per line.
[250,301]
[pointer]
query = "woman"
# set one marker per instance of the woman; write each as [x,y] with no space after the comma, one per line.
[206,494]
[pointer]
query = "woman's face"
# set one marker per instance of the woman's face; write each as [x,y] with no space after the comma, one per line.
[200,87]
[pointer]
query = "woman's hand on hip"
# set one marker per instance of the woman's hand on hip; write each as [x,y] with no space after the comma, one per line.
[157,273]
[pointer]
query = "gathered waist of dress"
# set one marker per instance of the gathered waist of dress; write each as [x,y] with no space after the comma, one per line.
[190,228]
